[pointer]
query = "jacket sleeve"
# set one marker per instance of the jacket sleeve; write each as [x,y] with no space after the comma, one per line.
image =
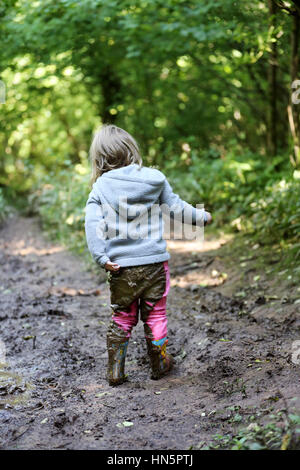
[178,209]
[94,221]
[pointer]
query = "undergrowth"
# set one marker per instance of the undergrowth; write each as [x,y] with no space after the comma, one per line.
[270,436]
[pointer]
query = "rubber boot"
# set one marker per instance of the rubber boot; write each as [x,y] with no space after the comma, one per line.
[161,362]
[117,349]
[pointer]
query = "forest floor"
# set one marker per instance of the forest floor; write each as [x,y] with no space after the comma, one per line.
[232,325]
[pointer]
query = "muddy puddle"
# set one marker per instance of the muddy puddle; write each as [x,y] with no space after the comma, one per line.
[14,390]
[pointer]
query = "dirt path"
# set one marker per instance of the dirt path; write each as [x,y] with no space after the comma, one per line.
[234,367]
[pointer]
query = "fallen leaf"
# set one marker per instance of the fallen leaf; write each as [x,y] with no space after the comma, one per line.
[125,424]
[240,294]
[99,395]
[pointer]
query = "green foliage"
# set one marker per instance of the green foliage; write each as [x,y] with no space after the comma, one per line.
[254,196]
[224,182]
[60,203]
[269,436]
[170,72]
[254,437]
[276,214]
[46,123]
[190,80]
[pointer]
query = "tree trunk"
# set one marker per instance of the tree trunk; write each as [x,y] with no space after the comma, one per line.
[111,87]
[293,108]
[272,87]
[74,155]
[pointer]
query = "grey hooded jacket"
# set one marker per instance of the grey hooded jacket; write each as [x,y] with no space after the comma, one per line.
[123,221]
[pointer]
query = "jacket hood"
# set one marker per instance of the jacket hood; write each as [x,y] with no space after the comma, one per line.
[131,189]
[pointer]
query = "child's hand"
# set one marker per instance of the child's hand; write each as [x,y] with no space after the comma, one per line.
[109,266]
[209,218]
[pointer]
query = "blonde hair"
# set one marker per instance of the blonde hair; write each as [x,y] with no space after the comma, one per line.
[111,148]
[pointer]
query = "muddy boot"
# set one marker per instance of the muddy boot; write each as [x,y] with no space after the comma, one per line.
[161,362]
[117,349]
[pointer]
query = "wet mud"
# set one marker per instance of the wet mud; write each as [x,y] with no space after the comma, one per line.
[233,355]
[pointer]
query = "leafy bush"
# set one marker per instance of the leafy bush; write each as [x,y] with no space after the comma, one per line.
[226,185]
[256,436]
[249,193]
[276,214]
[60,202]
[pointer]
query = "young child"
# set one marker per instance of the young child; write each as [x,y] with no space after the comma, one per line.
[138,265]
